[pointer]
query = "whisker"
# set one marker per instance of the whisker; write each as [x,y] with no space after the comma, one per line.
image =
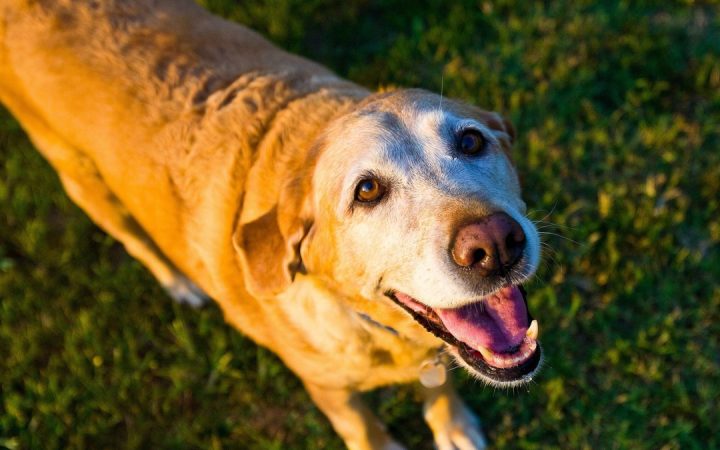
[548,233]
[548,214]
[548,224]
[442,86]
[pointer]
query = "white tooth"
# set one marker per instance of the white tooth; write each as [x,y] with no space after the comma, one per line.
[532,331]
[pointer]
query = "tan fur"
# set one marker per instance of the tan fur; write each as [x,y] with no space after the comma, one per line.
[214,157]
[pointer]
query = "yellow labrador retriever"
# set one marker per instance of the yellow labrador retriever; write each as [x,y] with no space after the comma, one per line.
[359,236]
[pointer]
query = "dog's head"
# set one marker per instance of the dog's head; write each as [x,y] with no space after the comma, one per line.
[414,200]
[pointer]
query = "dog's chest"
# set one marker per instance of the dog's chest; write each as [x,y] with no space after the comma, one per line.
[323,335]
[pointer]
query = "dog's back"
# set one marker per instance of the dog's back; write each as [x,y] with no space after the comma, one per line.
[153,114]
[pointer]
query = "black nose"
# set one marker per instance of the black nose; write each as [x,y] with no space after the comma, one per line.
[491,245]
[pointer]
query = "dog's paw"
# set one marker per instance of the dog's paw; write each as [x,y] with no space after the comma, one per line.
[185,292]
[462,433]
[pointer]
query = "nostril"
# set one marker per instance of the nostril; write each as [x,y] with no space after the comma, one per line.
[514,246]
[513,241]
[478,255]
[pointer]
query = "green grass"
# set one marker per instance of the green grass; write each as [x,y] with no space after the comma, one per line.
[617,106]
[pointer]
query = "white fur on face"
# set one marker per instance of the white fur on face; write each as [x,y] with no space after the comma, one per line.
[403,242]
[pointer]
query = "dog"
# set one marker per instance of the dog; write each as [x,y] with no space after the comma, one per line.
[360,236]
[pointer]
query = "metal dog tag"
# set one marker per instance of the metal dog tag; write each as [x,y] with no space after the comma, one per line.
[432,373]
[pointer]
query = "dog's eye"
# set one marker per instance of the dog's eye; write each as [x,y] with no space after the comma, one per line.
[471,142]
[369,190]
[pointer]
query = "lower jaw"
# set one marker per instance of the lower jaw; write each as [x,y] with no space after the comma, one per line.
[501,377]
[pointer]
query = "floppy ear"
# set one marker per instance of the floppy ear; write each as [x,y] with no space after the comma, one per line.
[498,123]
[505,130]
[509,129]
[269,246]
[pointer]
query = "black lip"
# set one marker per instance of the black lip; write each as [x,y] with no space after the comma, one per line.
[470,356]
[509,374]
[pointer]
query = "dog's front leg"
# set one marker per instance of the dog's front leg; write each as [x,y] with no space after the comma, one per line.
[453,425]
[352,419]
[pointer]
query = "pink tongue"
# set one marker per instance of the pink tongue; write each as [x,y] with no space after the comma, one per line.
[498,322]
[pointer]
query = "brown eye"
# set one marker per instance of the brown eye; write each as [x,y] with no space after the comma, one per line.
[471,142]
[369,190]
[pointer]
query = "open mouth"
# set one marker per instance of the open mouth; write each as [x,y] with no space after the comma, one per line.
[495,336]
